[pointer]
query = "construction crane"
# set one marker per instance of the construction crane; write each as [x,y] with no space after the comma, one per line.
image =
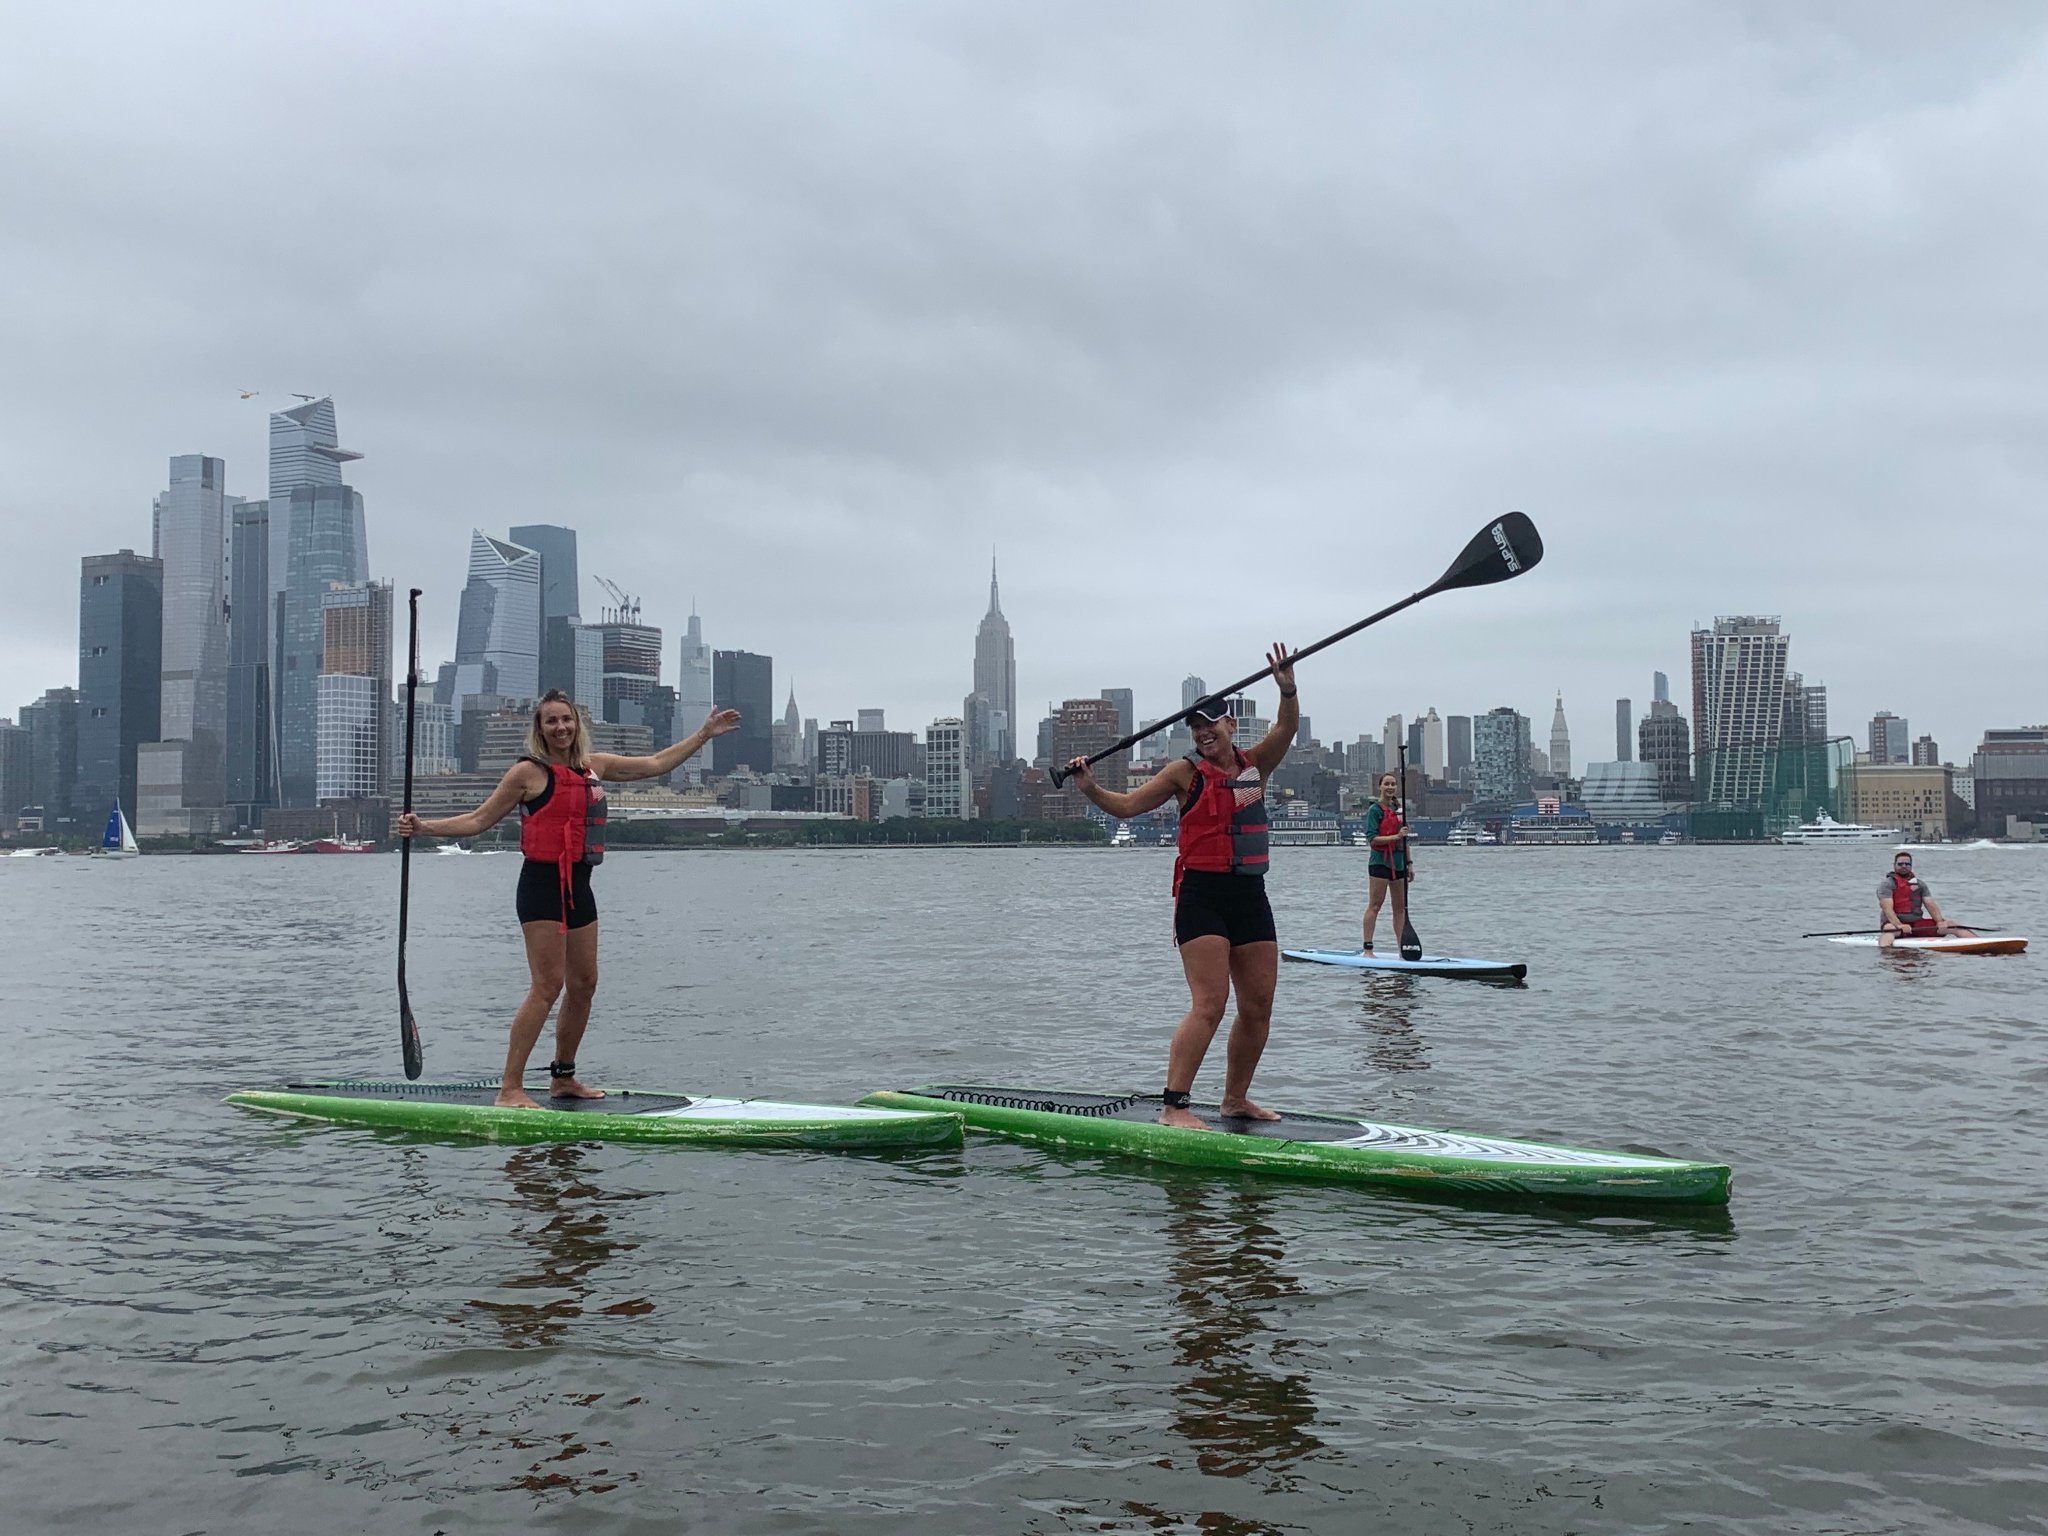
[628,610]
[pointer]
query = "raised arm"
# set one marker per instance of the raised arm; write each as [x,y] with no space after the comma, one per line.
[1274,745]
[668,759]
[522,781]
[1168,782]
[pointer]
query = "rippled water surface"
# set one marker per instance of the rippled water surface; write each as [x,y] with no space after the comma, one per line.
[220,1322]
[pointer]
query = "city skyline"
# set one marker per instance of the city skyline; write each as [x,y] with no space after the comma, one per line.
[1323,368]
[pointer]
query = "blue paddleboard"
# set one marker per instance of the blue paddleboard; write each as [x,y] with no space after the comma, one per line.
[1428,965]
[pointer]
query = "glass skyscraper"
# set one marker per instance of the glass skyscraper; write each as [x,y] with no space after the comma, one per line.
[251,772]
[192,519]
[497,632]
[744,681]
[120,666]
[560,588]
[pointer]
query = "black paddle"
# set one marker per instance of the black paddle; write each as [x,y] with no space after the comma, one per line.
[1411,946]
[408,1029]
[1503,549]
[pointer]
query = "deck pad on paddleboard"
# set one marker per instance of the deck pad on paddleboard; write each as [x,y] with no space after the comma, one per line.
[1982,944]
[469,1109]
[1340,1147]
[1427,965]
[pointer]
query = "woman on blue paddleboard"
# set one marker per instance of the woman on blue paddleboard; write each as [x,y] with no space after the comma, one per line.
[1221,920]
[1389,868]
[558,787]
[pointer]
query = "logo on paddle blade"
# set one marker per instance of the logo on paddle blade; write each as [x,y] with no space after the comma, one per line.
[1507,550]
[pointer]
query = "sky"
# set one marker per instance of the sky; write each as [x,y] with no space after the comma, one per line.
[1217,324]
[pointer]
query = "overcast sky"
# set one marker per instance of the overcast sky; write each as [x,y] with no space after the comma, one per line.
[1222,323]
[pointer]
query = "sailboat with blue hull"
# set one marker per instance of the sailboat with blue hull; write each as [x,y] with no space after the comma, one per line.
[118,842]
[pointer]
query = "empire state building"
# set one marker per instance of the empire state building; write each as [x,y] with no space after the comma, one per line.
[995,667]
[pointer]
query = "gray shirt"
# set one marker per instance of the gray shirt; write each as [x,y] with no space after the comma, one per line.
[1912,909]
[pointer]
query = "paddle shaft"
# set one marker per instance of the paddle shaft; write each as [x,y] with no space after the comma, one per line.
[1411,946]
[408,1029]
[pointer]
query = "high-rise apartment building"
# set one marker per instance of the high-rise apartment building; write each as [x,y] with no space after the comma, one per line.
[1191,689]
[182,779]
[744,681]
[52,724]
[120,667]
[1500,756]
[353,700]
[1806,713]
[561,595]
[1664,741]
[1738,708]
[1926,754]
[1624,731]
[498,628]
[17,772]
[632,671]
[1085,727]
[250,773]
[948,782]
[572,659]
[1888,738]
[1560,743]
[1457,748]
[995,667]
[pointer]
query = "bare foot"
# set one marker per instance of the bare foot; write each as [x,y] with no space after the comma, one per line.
[570,1088]
[1244,1109]
[1183,1119]
[515,1098]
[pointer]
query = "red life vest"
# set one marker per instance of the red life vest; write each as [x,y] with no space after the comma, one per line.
[1395,857]
[564,825]
[1223,824]
[1906,902]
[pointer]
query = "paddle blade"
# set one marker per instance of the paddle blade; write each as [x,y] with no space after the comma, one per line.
[1411,946]
[1501,551]
[409,1039]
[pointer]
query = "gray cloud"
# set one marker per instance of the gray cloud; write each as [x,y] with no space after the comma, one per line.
[1223,323]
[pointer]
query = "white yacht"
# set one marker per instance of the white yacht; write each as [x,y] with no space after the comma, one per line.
[1828,830]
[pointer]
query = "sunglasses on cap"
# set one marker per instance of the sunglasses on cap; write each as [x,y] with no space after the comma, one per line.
[1210,711]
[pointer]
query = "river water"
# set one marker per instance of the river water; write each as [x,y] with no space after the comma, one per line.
[219,1322]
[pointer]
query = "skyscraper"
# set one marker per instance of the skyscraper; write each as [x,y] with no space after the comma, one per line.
[694,690]
[1624,730]
[52,724]
[1394,738]
[353,736]
[1191,689]
[1432,763]
[789,735]
[560,590]
[572,659]
[743,681]
[17,772]
[1660,688]
[183,786]
[1738,708]
[317,537]
[1560,743]
[250,774]
[1888,738]
[948,784]
[1457,748]
[1500,755]
[497,632]
[120,666]
[1664,741]
[995,666]
[1085,727]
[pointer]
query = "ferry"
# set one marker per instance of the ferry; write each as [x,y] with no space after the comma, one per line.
[1828,830]
[1468,835]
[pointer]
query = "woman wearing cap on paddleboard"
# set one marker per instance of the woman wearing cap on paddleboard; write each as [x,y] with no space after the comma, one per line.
[1389,868]
[1221,920]
[558,787]
[1906,909]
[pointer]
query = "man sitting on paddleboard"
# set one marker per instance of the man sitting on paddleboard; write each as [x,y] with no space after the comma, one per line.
[1221,919]
[1389,867]
[1906,908]
[559,788]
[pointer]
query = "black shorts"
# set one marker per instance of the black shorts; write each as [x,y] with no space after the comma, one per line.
[1387,872]
[1231,906]
[540,894]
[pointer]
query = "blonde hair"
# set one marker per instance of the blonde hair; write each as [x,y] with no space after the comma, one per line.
[579,747]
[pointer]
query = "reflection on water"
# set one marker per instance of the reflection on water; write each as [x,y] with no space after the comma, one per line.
[570,1242]
[1239,1413]
[1392,1043]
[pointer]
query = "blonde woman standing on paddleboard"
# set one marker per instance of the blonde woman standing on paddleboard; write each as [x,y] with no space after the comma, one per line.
[558,788]
[1221,920]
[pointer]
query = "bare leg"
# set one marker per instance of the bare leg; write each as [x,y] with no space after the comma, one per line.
[544,957]
[1254,970]
[1378,889]
[579,984]
[1206,962]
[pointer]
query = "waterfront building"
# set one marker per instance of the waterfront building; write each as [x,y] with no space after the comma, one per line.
[1560,743]
[120,666]
[1925,753]
[948,781]
[995,665]
[1500,756]
[744,681]
[17,772]
[250,772]
[1738,699]
[561,590]
[1624,731]
[498,626]
[1913,799]
[1888,738]
[188,762]
[1432,759]
[2010,774]
[1664,742]
[52,724]
[353,720]
[1085,727]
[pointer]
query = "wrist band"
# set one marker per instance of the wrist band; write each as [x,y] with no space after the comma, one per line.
[1174,1098]
[1288,693]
